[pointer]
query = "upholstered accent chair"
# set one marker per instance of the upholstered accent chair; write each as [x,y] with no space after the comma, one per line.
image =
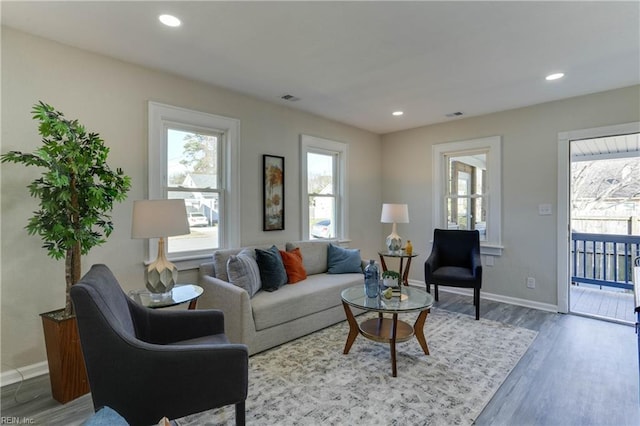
[148,364]
[455,261]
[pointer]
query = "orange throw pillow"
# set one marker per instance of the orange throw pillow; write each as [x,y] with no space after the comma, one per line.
[293,265]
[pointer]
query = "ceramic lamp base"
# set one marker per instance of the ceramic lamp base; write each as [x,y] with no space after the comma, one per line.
[394,242]
[161,274]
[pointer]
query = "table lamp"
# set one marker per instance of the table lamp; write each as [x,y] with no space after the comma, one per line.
[160,219]
[394,213]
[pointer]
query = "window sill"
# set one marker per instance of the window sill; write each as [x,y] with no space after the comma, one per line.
[491,249]
[186,263]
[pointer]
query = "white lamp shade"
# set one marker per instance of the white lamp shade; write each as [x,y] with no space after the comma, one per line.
[394,213]
[159,218]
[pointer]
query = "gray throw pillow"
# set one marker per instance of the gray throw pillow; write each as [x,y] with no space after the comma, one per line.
[272,272]
[343,261]
[243,271]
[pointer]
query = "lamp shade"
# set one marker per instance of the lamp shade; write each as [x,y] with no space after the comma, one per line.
[159,218]
[394,213]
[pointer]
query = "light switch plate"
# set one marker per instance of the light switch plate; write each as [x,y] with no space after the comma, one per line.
[544,209]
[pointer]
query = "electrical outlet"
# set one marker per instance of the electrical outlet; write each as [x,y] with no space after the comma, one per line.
[531,282]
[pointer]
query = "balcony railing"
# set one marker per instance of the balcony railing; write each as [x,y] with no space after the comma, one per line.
[604,260]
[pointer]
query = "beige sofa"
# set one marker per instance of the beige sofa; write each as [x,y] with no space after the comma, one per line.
[269,319]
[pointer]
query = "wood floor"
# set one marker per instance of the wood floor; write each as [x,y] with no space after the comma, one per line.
[578,371]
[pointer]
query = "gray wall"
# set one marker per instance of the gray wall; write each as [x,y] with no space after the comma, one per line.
[529,178]
[110,97]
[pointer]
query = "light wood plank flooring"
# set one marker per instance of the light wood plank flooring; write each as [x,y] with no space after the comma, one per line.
[578,371]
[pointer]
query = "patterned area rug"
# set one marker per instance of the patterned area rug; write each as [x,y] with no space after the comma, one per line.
[310,382]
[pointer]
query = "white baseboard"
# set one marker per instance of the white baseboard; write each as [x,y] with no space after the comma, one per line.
[27,372]
[495,297]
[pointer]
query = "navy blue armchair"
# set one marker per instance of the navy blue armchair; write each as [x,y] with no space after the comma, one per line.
[147,364]
[455,261]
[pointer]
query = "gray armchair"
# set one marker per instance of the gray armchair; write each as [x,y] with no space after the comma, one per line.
[147,364]
[455,261]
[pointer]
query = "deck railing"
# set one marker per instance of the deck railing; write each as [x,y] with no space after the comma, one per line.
[604,260]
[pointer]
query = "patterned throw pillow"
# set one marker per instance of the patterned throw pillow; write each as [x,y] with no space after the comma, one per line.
[343,261]
[272,272]
[243,271]
[292,261]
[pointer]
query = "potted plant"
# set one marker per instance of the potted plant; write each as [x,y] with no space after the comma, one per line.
[391,279]
[76,192]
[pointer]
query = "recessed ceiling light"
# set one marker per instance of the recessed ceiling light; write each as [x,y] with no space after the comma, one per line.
[397,113]
[169,20]
[555,76]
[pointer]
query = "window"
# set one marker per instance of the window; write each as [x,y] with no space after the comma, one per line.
[323,188]
[192,157]
[467,189]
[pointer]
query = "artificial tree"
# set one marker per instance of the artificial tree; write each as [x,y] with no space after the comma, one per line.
[77,190]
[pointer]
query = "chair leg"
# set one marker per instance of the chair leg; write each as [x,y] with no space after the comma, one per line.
[429,288]
[435,286]
[240,414]
[476,301]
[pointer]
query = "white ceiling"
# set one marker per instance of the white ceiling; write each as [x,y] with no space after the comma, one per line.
[356,62]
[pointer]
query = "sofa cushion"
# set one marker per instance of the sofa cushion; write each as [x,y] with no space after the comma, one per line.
[317,293]
[292,261]
[272,272]
[243,271]
[220,258]
[314,254]
[343,261]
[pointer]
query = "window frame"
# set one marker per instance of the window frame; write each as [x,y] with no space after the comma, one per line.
[312,144]
[493,147]
[161,117]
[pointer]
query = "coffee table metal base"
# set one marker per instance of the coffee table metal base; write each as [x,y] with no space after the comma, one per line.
[386,330]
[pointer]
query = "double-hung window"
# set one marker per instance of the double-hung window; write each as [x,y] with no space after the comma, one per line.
[467,189]
[323,188]
[191,157]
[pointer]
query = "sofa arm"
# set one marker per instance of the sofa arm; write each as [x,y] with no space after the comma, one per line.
[232,300]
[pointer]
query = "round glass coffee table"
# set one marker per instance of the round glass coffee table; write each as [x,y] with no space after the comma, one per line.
[387,330]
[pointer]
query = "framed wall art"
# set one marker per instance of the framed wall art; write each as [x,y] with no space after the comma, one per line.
[273,193]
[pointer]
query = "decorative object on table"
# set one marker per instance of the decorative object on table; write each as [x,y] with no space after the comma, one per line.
[394,213]
[77,191]
[408,249]
[160,219]
[371,279]
[273,193]
[391,279]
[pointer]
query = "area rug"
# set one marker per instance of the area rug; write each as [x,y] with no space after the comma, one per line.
[310,382]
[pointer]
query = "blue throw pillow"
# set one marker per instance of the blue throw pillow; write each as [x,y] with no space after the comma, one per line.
[106,417]
[343,261]
[272,272]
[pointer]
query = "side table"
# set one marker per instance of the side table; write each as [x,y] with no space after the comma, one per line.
[181,293]
[404,273]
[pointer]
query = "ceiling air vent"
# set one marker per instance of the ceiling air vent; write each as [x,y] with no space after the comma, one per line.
[289,98]
[454,114]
